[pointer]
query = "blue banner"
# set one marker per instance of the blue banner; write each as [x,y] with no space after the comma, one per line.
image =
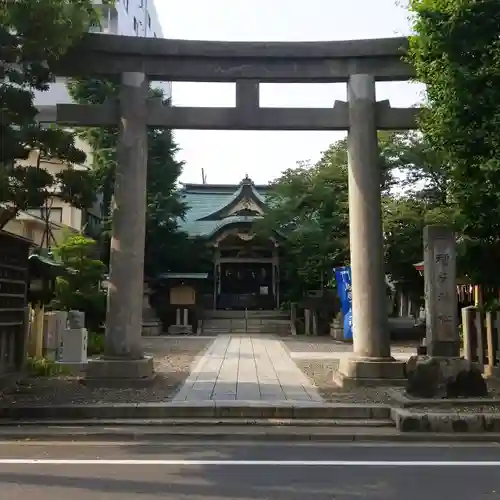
[343,277]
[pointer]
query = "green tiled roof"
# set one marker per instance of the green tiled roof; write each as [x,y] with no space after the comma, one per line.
[203,200]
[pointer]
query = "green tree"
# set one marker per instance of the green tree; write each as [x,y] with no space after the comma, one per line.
[164,206]
[421,197]
[309,207]
[456,53]
[33,36]
[80,287]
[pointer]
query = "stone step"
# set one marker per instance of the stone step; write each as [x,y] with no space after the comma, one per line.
[260,325]
[210,433]
[198,409]
[249,314]
[191,422]
[242,322]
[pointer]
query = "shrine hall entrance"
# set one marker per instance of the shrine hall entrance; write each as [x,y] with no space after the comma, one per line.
[247,285]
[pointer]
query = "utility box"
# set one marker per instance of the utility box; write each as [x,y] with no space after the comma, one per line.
[73,346]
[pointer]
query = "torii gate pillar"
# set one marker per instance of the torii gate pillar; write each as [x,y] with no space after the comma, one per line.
[123,358]
[371,362]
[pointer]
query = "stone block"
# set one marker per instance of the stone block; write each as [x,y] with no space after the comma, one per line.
[414,421]
[408,421]
[355,372]
[491,422]
[151,329]
[381,412]
[180,329]
[119,372]
[431,377]
[190,409]
[76,319]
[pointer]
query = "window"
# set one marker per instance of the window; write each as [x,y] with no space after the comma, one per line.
[126,4]
[149,20]
[136,26]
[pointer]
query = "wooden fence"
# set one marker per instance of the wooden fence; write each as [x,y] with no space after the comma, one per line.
[481,338]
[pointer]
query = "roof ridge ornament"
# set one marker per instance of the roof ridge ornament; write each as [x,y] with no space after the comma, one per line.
[246,180]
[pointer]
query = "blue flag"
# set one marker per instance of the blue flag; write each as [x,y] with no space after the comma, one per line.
[343,277]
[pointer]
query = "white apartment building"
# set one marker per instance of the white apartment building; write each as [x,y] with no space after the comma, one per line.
[126,17]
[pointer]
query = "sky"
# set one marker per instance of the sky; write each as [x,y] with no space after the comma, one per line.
[227,156]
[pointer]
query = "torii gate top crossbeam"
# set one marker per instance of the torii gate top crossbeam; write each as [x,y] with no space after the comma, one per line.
[205,61]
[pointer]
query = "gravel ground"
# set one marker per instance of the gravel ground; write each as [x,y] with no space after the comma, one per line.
[173,359]
[326,344]
[458,409]
[320,374]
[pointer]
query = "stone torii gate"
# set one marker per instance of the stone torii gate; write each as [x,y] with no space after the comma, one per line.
[359,63]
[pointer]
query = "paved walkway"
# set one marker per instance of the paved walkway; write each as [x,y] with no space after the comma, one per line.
[245,368]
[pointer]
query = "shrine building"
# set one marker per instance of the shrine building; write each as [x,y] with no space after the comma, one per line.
[245,272]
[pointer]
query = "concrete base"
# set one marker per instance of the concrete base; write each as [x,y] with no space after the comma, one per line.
[119,372]
[180,329]
[73,368]
[151,329]
[362,372]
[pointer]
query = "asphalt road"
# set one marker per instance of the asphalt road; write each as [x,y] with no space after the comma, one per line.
[222,471]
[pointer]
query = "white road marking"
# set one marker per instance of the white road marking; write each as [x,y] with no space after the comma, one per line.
[282,463]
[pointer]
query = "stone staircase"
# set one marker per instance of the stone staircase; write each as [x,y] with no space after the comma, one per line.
[250,322]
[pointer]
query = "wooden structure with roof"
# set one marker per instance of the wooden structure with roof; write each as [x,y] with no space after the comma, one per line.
[245,266]
[14,284]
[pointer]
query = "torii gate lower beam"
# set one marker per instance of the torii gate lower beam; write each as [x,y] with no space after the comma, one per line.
[361,116]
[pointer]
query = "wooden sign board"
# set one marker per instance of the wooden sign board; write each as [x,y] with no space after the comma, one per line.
[182,295]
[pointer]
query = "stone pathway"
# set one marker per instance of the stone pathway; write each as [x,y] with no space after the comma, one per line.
[246,368]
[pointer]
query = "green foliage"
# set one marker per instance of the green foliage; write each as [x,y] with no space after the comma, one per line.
[404,219]
[79,288]
[43,367]
[309,207]
[165,246]
[33,35]
[456,53]
[95,344]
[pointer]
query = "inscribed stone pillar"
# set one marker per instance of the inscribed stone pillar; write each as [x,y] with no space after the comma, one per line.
[440,292]
[124,313]
[369,311]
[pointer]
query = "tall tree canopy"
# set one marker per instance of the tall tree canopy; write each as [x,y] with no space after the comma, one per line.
[33,36]
[456,53]
[309,206]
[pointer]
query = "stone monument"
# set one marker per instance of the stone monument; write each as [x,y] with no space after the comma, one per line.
[151,325]
[442,372]
[442,337]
